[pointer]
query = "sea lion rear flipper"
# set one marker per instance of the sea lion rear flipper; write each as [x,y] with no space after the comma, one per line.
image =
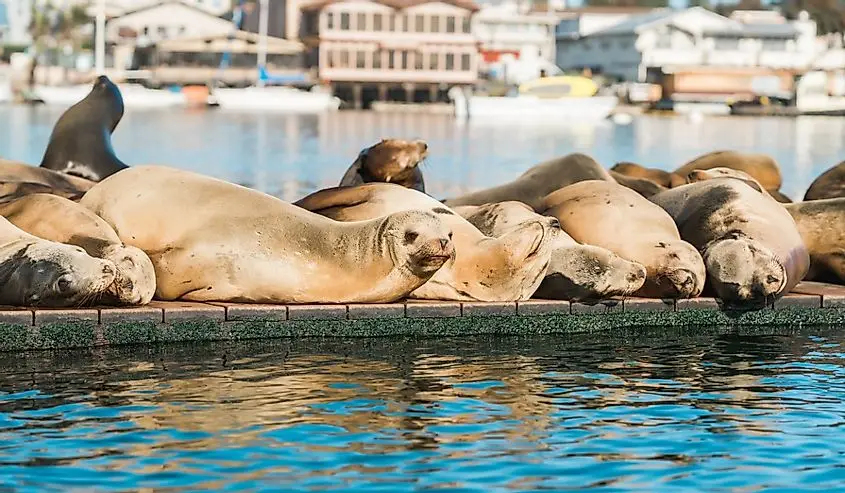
[334,197]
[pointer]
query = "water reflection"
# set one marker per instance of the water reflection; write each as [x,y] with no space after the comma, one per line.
[649,411]
[292,155]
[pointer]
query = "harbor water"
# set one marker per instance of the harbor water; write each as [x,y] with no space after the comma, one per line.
[647,410]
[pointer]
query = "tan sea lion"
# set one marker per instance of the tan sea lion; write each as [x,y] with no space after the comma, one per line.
[663,178]
[642,186]
[58,219]
[828,185]
[80,143]
[15,172]
[15,190]
[750,244]
[540,180]
[243,245]
[37,272]
[507,268]
[762,167]
[611,216]
[389,161]
[820,224]
[576,272]
[708,174]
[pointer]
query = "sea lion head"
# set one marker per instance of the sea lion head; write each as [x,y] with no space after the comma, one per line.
[107,97]
[393,160]
[134,281]
[744,273]
[502,216]
[675,270]
[49,274]
[584,272]
[420,242]
[508,268]
[698,175]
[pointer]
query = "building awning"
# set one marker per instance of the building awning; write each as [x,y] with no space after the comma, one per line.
[237,42]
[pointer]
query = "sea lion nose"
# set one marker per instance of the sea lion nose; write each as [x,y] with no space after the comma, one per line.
[444,242]
[107,269]
[554,223]
[635,276]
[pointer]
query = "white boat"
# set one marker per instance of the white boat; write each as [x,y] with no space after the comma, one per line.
[820,93]
[273,98]
[134,95]
[564,98]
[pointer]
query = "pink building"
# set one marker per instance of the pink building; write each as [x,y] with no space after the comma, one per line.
[391,49]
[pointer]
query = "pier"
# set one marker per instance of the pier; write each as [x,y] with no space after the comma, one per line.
[22,329]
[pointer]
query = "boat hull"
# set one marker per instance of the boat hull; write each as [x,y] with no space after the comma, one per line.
[133,96]
[276,99]
[579,109]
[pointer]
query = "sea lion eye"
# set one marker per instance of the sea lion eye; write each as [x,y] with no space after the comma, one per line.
[772,279]
[450,235]
[63,283]
[411,237]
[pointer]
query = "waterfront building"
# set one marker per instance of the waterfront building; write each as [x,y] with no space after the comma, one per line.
[391,49]
[641,47]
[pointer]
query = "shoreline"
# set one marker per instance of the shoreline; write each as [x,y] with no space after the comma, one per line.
[26,329]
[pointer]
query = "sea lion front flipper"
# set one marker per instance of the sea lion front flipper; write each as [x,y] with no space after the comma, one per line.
[334,197]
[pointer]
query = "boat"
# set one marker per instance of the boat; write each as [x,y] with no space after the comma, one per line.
[273,98]
[562,98]
[134,95]
[820,93]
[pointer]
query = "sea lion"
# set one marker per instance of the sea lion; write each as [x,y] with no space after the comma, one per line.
[611,216]
[389,161]
[16,190]
[37,272]
[507,268]
[828,185]
[80,144]
[13,172]
[762,167]
[540,180]
[642,186]
[663,178]
[820,224]
[246,246]
[55,218]
[708,174]
[750,244]
[576,272]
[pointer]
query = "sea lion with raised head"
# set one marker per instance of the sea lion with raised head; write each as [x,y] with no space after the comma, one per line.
[540,180]
[750,244]
[661,177]
[244,245]
[37,272]
[389,161]
[576,272]
[611,216]
[55,218]
[507,268]
[762,167]
[80,144]
[828,185]
[820,223]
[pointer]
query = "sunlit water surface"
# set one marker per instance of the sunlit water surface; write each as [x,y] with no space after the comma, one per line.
[683,411]
[292,155]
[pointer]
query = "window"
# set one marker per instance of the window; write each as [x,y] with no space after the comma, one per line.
[344,59]
[404,65]
[181,30]
[391,22]
[145,31]
[330,20]
[162,31]
[605,45]
[774,44]
[450,61]
[344,21]
[419,23]
[465,27]
[377,59]
[465,61]
[360,59]
[450,24]
[432,61]
[361,22]
[435,23]
[418,61]
[391,59]
[330,58]
[377,20]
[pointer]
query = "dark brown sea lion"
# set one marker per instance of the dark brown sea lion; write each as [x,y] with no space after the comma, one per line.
[820,223]
[80,144]
[761,167]
[663,178]
[389,161]
[828,185]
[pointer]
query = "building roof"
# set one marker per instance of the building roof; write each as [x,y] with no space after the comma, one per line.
[599,9]
[635,23]
[397,4]
[154,5]
[237,42]
[757,31]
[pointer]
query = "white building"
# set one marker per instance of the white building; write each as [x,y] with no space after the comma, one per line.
[18,19]
[691,37]
[509,28]
[165,20]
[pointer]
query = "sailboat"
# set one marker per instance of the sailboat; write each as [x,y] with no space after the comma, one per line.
[134,95]
[264,97]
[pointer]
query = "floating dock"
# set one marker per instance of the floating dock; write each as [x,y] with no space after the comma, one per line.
[22,329]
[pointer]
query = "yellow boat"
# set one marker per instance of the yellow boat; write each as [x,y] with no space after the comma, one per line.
[572,86]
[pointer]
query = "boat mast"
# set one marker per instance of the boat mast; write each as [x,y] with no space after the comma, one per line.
[263,14]
[100,38]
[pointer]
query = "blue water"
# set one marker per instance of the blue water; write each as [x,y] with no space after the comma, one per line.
[645,411]
[292,155]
